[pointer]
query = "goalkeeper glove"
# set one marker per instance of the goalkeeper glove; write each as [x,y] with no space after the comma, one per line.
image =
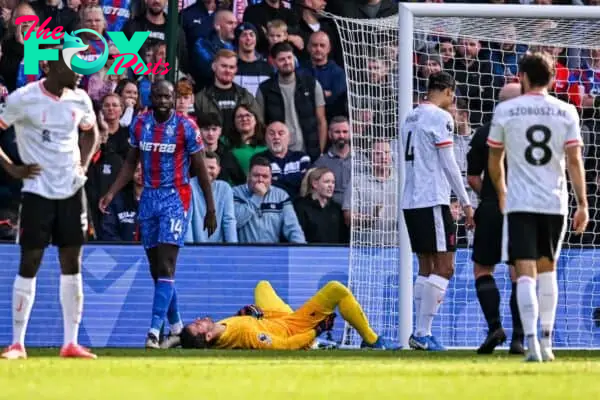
[325,325]
[252,311]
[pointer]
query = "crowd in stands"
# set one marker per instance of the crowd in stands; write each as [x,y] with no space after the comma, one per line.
[268,90]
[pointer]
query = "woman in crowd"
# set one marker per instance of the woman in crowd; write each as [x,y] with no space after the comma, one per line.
[321,219]
[246,140]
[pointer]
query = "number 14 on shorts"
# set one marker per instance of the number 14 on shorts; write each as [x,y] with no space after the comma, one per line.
[176,226]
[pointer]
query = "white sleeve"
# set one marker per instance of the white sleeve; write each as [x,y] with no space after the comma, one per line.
[453,174]
[573,137]
[496,136]
[443,132]
[88,119]
[11,110]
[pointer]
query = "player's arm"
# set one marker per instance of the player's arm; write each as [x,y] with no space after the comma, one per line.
[476,161]
[444,144]
[259,340]
[11,112]
[495,142]
[89,136]
[576,171]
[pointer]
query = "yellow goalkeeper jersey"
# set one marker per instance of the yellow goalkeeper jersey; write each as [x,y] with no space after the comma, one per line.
[250,333]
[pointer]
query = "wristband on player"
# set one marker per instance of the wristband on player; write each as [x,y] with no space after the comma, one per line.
[252,311]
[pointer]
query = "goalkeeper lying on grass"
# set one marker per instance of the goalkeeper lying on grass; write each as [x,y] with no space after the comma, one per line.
[272,324]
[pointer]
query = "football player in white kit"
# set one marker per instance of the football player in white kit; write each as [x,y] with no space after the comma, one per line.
[536,131]
[431,170]
[56,135]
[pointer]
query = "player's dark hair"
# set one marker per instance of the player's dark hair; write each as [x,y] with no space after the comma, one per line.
[539,68]
[189,341]
[206,120]
[212,155]
[259,160]
[440,81]
[280,48]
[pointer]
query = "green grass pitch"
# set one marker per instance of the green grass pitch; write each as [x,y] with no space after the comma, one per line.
[320,374]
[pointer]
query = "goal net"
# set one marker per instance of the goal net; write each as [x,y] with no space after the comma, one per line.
[482,54]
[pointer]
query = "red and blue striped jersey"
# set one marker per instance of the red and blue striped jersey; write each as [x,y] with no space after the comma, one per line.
[116,13]
[165,148]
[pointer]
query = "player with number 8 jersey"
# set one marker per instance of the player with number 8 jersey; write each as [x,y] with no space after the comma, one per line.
[538,133]
[168,143]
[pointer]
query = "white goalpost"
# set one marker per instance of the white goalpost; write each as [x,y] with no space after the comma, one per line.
[387,62]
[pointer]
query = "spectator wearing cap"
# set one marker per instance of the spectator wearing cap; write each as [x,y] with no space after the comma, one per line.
[298,101]
[262,13]
[221,37]
[339,157]
[330,75]
[226,224]
[223,95]
[253,69]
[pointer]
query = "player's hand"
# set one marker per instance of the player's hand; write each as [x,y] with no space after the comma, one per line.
[210,222]
[105,202]
[501,203]
[580,220]
[24,171]
[469,220]
[252,311]
[325,325]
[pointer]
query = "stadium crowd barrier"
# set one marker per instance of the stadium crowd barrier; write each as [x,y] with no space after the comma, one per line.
[218,280]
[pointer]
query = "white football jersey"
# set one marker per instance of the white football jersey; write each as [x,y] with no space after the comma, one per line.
[426,129]
[47,134]
[535,130]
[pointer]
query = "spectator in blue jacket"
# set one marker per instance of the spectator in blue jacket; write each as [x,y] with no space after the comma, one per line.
[120,223]
[264,213]
[221,37]
[288,167]
[223,195]
[197,21]
[330,75]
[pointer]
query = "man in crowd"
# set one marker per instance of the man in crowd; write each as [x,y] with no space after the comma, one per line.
[264,213]
[226,228]
[339,158]
[223,95]
[288,167]
[297,100]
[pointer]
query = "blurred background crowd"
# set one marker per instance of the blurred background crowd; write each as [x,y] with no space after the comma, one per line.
[267,86]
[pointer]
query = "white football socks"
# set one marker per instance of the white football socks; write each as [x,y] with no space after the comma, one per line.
[22,301]
[418,295]
[71,299]
[528,304]
[434,290]
[548,300]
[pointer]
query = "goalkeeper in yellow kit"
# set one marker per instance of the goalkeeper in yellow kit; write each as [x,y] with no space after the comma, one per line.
[271,324]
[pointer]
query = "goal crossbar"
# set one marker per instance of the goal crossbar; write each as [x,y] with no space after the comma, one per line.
[466,10]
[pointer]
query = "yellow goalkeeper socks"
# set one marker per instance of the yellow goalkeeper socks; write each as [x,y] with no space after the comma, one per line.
[337,294]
